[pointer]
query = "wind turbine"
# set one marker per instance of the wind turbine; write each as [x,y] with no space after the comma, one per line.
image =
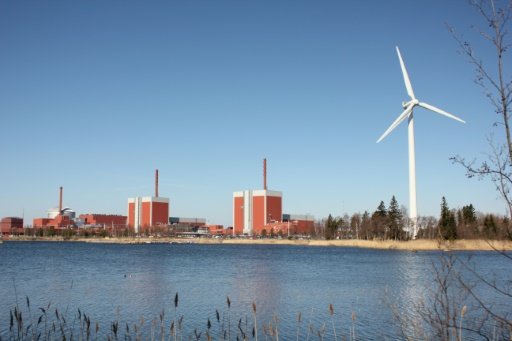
[408,114]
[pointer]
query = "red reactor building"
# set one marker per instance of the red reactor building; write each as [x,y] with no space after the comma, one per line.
[255,209]
[146,212]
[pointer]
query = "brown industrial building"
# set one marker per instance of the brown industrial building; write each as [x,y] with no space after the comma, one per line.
[216,230]
[59,222]
[103,219]
[298,224]
[11,225]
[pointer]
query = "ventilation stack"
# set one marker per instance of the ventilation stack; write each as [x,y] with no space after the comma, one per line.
[265,174]
[156,183]
[60,201]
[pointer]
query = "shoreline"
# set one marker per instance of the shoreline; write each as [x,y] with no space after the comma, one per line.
[411,245]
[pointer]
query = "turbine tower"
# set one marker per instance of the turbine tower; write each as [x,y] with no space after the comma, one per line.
[408,114]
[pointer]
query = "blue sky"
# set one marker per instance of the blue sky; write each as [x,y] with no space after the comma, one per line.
[95,95]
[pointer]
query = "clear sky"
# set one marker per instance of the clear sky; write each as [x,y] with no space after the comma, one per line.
[95,95]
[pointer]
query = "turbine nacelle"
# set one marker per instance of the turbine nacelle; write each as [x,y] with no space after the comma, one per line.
[413,102]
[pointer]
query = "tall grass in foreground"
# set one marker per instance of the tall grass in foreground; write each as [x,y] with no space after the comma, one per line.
[50,323]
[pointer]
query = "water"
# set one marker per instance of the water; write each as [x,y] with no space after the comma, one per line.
[112,282]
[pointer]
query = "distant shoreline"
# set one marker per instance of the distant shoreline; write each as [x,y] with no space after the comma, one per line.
[412,245]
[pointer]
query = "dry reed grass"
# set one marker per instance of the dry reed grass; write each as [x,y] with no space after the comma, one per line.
[50,323]
[411,245]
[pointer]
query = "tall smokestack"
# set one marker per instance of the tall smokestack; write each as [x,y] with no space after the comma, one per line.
[265,174]
[156,183]
[60,201]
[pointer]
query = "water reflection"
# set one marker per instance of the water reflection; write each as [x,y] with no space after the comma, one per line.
[413,286]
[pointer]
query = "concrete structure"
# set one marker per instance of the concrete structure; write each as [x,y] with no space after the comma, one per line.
[11,225]
[254,209]
[146,212]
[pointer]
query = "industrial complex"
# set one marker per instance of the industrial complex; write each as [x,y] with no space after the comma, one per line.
[257,212]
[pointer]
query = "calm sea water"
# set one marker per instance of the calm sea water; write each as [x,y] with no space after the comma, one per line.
[124,282]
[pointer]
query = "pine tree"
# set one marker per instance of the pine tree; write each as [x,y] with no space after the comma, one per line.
[447,226]
[468,214]
[381,210]
[469,219]
[379,220]
[331,225]
[395,224]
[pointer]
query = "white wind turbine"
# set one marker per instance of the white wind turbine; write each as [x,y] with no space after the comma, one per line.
[408,113]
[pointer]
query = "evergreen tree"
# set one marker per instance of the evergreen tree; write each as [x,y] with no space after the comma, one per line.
[331,225]
[469,214]
[379,221]
[447,226]
[469,221]
[395,223]
[381,210]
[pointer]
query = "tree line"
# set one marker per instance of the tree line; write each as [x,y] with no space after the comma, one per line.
[391,222]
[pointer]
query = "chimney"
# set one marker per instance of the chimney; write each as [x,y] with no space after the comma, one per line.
[265,174]
[156,183]
[60,201]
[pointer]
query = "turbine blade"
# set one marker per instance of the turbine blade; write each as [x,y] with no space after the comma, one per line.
[399,120]
[439,111]
[407,82]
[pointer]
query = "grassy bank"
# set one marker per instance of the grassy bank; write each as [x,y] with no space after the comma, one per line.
[411,245]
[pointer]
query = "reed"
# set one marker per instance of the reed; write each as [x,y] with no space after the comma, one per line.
[228,301]
[331,312]
[255,327]
[353,330]
[173,326]
[299,320]
[50,323]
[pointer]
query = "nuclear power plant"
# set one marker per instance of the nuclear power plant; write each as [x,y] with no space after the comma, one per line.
[257,212]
